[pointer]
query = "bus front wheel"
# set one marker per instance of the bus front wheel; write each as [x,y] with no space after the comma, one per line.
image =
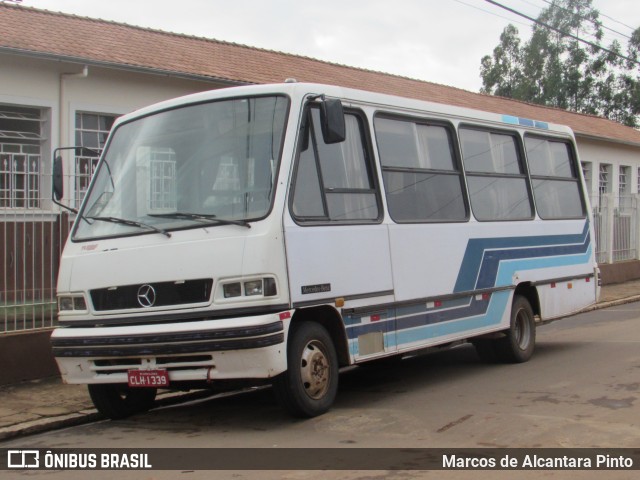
[310,384]
[117,401]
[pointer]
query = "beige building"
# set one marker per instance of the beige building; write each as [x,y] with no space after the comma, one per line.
[64,79]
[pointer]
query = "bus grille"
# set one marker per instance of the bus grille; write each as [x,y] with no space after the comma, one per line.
[161,294]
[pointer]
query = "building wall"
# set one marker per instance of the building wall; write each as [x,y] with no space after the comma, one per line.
[57,91]
[32,232]
[45,83]
[595,155]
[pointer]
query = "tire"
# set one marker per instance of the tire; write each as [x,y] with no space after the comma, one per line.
[518,344]
[117,401]
[310,384]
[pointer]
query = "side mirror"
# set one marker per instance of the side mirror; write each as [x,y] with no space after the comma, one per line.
[332,121]
[58,180]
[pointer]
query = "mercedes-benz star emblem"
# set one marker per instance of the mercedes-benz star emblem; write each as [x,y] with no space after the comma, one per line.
[146,296]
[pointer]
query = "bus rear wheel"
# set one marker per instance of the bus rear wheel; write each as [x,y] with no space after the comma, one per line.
[518,344]
[310,384]
[117,401]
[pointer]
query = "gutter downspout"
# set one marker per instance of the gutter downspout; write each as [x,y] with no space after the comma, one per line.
[62,114]
[61,101]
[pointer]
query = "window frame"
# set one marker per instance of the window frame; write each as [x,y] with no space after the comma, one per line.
[522,162]
[576,177]
[30,182]
[84,156]
[308,128]
[457,171]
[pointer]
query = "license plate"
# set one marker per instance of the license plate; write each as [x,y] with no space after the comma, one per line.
[148,378]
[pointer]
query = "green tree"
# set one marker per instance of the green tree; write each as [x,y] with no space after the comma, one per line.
[555,68]
[501,73]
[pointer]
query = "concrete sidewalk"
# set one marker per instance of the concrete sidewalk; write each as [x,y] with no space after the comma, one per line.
[41,405]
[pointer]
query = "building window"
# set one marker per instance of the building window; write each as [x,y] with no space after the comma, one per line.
[21,138]
[92,130]
[604,179]
[624,187]
[587,173]
[624,181]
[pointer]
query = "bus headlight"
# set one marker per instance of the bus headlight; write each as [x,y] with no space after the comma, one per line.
[254,287]
[257,287]
[232,290]
[72,303]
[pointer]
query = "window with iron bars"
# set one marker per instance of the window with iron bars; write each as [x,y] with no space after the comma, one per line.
[624,187]
[92,130]
[21,138]
[586,173]
[604,179]
[604,182]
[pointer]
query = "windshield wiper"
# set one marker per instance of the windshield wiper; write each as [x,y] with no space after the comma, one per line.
[208,218]
[131,223]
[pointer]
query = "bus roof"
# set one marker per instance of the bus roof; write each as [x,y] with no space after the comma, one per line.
[355,97]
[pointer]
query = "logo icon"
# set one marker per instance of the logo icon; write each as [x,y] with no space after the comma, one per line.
[23,458]
[146,296]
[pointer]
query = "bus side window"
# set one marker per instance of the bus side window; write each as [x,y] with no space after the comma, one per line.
[498,185]
[308,201]
[422,179]
[556,184]
[335,182]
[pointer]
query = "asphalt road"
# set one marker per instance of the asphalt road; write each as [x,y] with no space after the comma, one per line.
[581,389]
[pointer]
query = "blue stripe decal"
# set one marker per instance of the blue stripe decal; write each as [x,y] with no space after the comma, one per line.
[487,263]
[475,255]
[507,270]
[418,315]
[489,317]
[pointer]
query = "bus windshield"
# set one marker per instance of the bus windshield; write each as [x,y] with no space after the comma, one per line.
[205,164]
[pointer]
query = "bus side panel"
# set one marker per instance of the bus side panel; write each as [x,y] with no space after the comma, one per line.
[487,261]
[426,258]
[563,298]
[329,262]
[346,262]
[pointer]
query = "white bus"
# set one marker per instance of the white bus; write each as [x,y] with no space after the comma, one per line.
[276,233]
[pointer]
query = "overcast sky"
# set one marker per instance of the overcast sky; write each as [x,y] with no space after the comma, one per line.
[440,41]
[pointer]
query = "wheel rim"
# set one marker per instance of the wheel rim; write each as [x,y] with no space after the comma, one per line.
[315,370]
[522,329]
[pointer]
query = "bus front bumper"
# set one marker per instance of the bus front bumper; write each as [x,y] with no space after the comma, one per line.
[240,348]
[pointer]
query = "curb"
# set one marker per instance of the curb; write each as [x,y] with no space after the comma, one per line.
[47,424]
[611,303]
[83,417]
